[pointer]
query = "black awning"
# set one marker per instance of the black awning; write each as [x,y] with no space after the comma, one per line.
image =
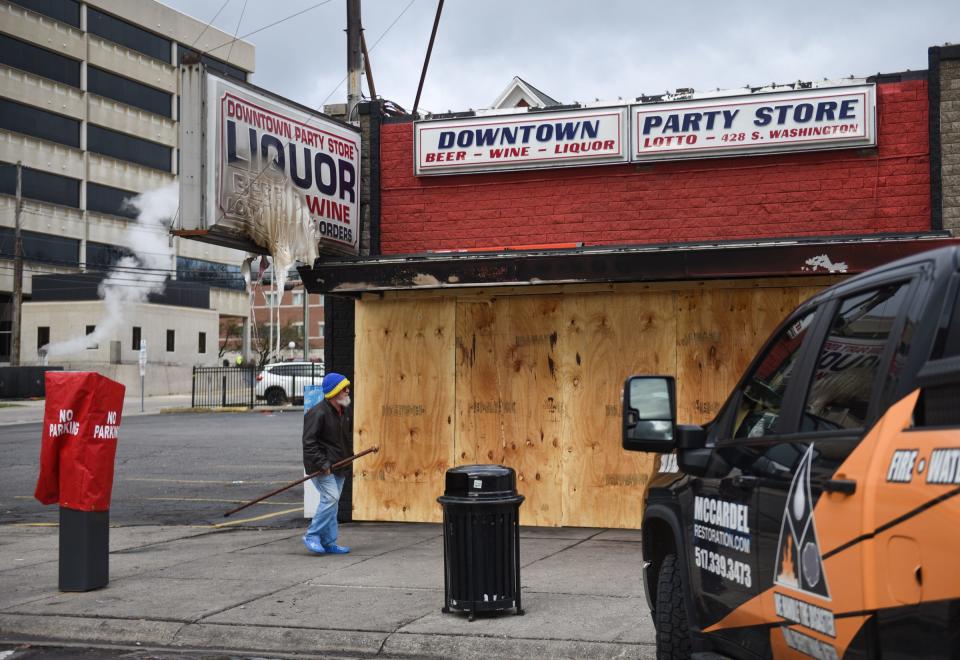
[634,263]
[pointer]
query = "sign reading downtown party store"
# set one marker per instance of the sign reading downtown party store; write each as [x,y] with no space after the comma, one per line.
[248,153]
[765,122]
[827,118]
[531,140]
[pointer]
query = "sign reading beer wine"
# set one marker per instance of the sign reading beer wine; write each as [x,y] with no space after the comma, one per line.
[527,141]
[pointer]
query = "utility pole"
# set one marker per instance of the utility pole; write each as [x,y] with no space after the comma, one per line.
[306,323]
[17,273]
[354,56]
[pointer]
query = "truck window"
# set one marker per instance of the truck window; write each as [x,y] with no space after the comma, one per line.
[762,397]
[847,365]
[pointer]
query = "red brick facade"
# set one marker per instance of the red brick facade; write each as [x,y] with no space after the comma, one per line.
[809,194]
[291,322]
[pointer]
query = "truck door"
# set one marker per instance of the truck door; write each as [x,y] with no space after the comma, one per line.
[727,516]
[812,514]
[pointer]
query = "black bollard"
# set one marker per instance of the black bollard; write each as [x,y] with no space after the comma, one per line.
[84,549]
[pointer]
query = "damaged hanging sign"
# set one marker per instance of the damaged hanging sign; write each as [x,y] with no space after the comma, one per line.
[263,174]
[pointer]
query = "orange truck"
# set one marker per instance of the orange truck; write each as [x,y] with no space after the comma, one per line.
[818,515]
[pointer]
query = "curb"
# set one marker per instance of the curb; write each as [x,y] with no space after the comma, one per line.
[246,639]
[218,409]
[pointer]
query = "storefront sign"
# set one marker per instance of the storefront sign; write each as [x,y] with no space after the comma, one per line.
[523,141]
[831,118]
[246,152]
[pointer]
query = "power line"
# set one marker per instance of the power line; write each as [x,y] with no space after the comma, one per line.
[209,23]
[370,50]
[237,30]
[266,27]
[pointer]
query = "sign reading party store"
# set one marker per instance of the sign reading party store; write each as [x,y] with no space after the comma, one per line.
[826,118]
[593,136]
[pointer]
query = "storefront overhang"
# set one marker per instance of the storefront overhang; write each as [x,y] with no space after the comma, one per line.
[633,263]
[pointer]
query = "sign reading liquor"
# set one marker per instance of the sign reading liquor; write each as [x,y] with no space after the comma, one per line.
[257,153]
[829,118]
[522,141]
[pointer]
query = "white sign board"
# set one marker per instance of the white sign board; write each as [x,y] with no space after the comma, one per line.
[530,140]
[143,357]
[832,118]
[242,147]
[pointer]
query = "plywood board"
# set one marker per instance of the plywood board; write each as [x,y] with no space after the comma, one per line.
[508,396]
[405,404]
[718,334]
[535,382]
[605,339]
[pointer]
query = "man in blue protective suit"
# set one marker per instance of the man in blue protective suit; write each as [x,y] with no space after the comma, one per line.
[327,438]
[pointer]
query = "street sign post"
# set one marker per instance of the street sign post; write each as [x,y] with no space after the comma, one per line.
[143,368]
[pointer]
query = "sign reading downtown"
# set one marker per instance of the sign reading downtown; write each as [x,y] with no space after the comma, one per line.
[527,141]
[767,122]
[253,165]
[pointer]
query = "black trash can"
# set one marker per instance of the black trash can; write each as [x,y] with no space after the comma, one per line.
[481,539]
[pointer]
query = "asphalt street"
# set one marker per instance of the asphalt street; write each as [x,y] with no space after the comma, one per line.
[176,469]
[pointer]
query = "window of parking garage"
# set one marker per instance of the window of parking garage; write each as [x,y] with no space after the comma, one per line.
[104,255]
[42,186]
[127,147]
[43,248]
[127,34]
[40,61]
[109,200]
[39,123]
[213,64]
[224,276]
[65,11]
[128,91]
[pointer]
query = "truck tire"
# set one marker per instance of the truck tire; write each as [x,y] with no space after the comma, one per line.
[671,620]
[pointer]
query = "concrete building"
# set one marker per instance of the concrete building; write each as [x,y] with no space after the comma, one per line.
[89,104]
[178,327]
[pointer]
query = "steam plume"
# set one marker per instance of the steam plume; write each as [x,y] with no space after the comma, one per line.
[134,278]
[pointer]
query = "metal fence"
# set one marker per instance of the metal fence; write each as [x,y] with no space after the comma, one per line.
[223,386]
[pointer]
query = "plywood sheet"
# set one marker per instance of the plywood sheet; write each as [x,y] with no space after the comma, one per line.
[534,382]
[405,403]
[508,396]
[718,334]
[605,339]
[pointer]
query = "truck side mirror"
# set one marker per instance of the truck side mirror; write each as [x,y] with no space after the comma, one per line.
[649,414]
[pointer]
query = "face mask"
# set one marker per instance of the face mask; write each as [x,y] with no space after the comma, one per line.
[344,400]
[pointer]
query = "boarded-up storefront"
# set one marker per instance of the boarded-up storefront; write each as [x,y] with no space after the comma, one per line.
[502,296]
[533,380]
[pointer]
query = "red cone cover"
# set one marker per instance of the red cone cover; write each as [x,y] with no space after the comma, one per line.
[81,420]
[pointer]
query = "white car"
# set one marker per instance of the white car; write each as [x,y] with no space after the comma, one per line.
[284,381]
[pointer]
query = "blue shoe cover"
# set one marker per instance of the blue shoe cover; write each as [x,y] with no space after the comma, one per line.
[334,549]
[313,546]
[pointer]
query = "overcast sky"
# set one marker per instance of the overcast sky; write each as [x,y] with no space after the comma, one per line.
[579,51]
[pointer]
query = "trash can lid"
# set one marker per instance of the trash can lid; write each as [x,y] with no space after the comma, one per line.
[481,482]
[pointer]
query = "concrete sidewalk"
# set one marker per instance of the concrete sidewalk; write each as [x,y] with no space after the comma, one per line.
[252,591]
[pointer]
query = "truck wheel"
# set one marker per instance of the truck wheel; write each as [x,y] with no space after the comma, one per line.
[276,396]
[671,621]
